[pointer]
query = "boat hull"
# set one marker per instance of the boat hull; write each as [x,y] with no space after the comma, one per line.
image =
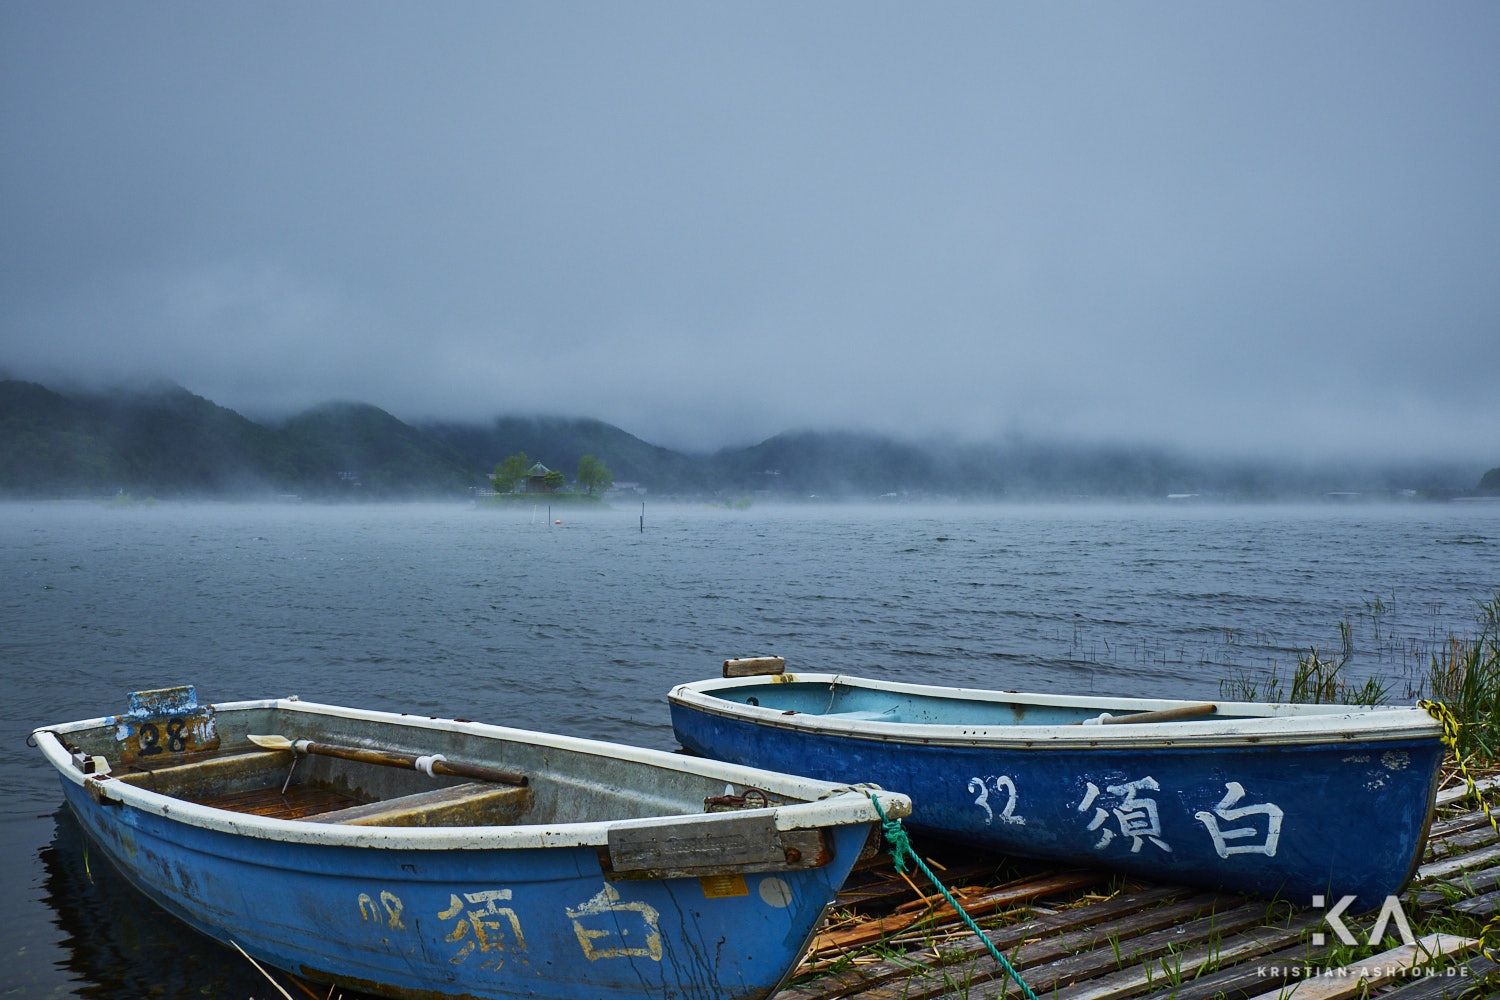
[506,923]
[576,870]
[1294,821]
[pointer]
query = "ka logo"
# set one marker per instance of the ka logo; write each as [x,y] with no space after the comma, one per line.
[1390,912]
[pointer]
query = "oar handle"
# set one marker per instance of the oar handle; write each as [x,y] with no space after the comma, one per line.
[394,758]
[479,772]
[1165,715]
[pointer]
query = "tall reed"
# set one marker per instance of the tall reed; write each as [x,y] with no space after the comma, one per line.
[1465,676]
[1315,680]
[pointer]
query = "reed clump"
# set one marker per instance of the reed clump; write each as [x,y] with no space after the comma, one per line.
[1315,680]
[1465,676]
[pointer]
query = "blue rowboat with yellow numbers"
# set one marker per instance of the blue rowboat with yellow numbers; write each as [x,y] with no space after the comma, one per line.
[1289,800]
[417,857]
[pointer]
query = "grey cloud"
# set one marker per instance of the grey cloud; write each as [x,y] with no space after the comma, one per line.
[1245,229]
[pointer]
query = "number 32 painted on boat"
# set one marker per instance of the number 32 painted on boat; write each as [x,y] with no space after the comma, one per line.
[1001,783]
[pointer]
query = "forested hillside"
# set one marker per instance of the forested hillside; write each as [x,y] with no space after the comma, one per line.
[162,440]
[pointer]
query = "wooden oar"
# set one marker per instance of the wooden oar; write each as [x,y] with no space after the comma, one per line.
[430,764]
[1165,715]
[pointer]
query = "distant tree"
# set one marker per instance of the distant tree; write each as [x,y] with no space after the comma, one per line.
[1489,484]
[593,475]
[510,472]
[553,480]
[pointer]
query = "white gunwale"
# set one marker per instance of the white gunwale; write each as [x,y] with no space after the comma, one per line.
[1261,723]
[827,804]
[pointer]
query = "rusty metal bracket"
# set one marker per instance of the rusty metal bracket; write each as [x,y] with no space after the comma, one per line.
[95,785]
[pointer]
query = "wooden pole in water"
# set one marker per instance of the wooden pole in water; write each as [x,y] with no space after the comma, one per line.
[643,517]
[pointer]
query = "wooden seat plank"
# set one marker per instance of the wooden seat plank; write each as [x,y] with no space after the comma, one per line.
[471,804]
[209,775]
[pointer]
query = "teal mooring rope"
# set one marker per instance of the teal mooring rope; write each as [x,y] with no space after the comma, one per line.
[900,841]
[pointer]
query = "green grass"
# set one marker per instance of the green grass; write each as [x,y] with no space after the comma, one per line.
[1314,680]
[1465,676]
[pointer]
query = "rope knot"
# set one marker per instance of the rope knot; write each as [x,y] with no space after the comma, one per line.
[895,835]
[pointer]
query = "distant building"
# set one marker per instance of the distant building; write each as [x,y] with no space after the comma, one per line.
[536,479]
[619,489]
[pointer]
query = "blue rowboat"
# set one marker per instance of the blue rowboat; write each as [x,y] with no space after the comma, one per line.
[417,857]
[1289,800]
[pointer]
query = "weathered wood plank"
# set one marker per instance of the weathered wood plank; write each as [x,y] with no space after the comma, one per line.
[1463,980]
[1468,840]
[1467,821]
[873,930]
[733,844]
[752,666]
[177,760]
[1247,979]
[471,804]
[1483,907]
[1378,970]
[892,889]
[1037,928]
[1457,793]
[1058,962]
[1462,862]
[1469,882]
[207,775]
[1054,975]
[1185,966]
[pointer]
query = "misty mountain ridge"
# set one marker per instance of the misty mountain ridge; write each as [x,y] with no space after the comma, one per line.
[365,444]
[160,439]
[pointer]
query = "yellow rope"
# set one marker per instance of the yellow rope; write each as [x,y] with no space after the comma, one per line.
[1487,936]
[1490,933]
[1451,728]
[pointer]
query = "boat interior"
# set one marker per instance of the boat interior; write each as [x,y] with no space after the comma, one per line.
[279,784]
[856,703]
[563,784]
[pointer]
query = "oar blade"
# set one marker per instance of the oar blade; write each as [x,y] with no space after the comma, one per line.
[270,742]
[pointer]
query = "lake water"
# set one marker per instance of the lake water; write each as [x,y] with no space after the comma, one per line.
[582,628]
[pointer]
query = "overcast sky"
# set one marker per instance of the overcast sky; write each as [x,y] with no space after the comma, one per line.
[1244,226]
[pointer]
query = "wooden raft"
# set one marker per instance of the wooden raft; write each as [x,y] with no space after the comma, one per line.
[1087,935]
